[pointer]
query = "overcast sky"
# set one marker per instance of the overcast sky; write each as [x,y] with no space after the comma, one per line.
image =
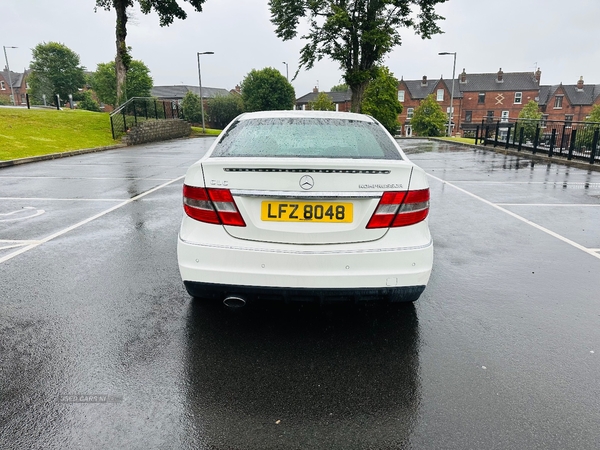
[561,37]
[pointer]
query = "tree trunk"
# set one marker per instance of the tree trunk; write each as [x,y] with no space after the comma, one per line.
[122,59]
[358,92]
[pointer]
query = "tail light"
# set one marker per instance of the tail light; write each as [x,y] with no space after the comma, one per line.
[400,209]
[211,206]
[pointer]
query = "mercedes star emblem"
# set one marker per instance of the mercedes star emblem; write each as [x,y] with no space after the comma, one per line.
[307,182]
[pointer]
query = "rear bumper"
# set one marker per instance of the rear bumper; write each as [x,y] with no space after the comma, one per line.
[254,293]
[307,267]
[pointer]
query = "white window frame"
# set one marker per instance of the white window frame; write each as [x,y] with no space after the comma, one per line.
[505,116]
[410,113]
[448,112]
[2,86]
[401,96]
[440,95]
[518,98]
[557,103]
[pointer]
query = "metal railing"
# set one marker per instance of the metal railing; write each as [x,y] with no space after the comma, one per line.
[572,140]
[138,109]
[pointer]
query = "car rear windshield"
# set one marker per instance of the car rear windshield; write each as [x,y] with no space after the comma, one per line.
[306,138]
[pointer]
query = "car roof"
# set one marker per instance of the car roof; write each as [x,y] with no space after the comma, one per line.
[306,114]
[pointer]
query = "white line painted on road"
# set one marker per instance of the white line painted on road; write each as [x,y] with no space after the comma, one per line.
[43,199]
[516,216]
[30,210]
[82,178]
[584,205]
[86,221]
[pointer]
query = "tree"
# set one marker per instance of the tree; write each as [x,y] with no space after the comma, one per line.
[381,100]
[166,10]
[55,69]
[594,115]
[104,81]
[87,102]
[267,89]
[355,33]
[323,102]
[223,109]
[530,119]
[429,119]
[340,88]
[192,109]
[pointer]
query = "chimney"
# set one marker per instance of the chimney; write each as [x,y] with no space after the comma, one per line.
[315,90]
[500,76]
[238,88]
[424,81]
[538,75]
[580,84]
[463,76]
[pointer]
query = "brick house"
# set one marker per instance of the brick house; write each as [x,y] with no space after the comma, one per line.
[341,100]
[412,92]
[569,103]
[477,97]
[19,85]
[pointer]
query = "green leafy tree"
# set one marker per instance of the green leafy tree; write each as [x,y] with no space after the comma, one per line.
[167,11]
[357,34]
[429,119]
[585,133]
[594,115]
[104,81]
[55,69]
[267,89]
[192,109]
[381,100]
[87,102]
[323,102]
[340,88]
[223,109]
[529,121]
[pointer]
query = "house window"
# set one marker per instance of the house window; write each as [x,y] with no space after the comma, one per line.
[440,95]
[401,96]
[23,99]
[504,117]
[27,85]
[490,116]
[2,85]
[518,97]
[568,120]
[481,98]
[544,120]
[409,113]
[448,112]
[469,116]
[558,101]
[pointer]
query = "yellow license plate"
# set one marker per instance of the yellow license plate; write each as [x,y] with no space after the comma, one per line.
[291,211]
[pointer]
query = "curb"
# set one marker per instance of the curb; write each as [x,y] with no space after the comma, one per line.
[31,159]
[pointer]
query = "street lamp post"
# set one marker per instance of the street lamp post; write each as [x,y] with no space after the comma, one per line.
[451,92]
[200,85]
[12,92]
[287,74]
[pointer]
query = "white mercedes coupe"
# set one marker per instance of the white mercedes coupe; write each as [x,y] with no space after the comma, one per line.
[305,205]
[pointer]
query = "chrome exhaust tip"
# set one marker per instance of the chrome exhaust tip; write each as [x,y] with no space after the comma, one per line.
[234,302]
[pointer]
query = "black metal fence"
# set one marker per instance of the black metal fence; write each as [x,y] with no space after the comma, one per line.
[572,140]
[138,109]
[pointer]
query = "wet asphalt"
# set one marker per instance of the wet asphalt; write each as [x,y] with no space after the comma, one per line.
[101,347]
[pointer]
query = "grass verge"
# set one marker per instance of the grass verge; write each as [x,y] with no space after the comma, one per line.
[197,131]
[31,132]
[459,139]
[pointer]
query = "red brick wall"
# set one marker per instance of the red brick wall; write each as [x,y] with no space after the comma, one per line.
[496,101]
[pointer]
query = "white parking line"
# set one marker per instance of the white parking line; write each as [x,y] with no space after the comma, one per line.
[584,205]
[83,178]
[522,219]
[44,199]
[86,221]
